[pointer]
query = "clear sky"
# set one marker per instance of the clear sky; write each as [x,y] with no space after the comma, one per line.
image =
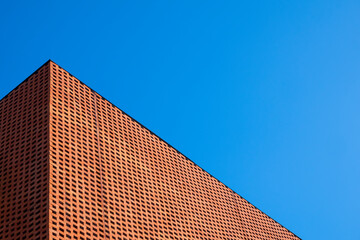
[264,95]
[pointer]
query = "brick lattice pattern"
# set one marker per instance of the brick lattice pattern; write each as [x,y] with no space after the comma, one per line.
[24,152]
[74,166]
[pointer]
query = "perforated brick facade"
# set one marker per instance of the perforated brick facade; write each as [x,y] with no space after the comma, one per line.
[92,172]
[24,152]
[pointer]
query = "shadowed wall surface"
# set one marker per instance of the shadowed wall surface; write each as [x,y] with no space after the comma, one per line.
[24,152]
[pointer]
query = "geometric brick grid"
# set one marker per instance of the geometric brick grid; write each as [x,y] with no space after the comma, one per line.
[24,151]
[74,166]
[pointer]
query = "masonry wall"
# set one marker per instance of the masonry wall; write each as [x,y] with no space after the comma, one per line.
[24,159]
[111,178]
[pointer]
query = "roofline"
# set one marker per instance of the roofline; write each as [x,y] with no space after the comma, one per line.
[26,79]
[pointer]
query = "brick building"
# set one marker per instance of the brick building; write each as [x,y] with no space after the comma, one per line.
[74,166]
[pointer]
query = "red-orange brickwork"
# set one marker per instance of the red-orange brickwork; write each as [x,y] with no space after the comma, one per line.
[74,166]
[24,152]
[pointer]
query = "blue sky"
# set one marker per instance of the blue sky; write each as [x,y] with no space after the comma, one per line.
[264,95]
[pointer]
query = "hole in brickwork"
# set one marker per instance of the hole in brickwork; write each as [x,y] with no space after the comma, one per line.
[24,159]
[111,178]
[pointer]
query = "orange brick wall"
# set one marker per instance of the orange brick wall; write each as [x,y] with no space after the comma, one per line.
[111,178]
[74,166]
[24,159]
